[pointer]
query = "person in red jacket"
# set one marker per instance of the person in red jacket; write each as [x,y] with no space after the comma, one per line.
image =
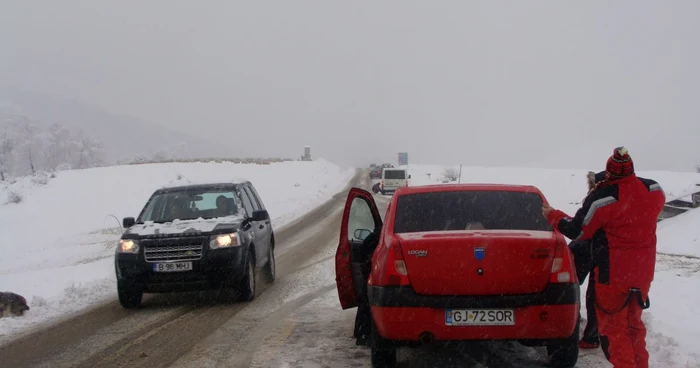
[620,216]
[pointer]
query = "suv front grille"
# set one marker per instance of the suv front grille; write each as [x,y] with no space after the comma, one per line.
[173,249]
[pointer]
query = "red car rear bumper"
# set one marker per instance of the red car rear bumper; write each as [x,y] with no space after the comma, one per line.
[401,314]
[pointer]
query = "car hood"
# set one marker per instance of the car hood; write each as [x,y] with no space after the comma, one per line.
[231,223]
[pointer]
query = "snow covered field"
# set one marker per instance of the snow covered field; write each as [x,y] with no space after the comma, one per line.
[674,237]
[57,244]
[564,188]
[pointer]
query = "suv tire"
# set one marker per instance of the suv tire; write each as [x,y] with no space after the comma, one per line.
[246,288]
[129,298]
[269,270]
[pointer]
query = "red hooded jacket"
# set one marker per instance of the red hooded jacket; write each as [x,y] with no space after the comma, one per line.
[620,216]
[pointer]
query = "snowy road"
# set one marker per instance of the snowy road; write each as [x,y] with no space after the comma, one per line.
[296,322]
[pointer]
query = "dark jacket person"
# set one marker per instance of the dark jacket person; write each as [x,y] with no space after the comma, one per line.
[583,260]
[363,318]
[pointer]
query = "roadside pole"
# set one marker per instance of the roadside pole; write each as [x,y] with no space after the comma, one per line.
[459,180]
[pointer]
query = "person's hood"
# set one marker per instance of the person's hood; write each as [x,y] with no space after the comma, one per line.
[204,226]
[600,176]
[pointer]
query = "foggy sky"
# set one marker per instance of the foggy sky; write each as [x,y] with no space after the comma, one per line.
[487,82]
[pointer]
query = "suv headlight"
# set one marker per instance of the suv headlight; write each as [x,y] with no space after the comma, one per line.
[224,241]
[127,246]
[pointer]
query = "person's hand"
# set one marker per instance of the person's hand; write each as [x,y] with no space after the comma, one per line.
[546,210]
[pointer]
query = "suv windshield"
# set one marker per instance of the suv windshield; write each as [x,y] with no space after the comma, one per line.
[469,210]
[395,174]
[190,204]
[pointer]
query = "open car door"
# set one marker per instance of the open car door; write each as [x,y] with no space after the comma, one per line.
[360,219]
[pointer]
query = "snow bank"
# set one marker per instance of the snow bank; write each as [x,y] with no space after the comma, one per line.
[680,235]
[672,324]
[57,243]
[564,189]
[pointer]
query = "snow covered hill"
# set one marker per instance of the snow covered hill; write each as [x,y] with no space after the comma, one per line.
[57,243]
[114,131]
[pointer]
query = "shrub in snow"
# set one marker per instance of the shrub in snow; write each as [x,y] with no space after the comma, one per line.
[40,178]
[63,167]
[451,174]
[14,197]
[38,301]
[179,176]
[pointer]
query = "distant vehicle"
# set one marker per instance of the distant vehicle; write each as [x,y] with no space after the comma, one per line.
[375,173]
[393,179]
[460,262]
[196,237]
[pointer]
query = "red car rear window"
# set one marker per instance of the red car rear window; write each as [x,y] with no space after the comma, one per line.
[465,210]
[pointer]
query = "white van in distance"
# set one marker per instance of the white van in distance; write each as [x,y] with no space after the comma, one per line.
[393,179]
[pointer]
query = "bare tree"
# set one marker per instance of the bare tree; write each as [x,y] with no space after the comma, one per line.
[60,146]
[89,152]
[7,146]
[451,174]
[29,142]
[160,156]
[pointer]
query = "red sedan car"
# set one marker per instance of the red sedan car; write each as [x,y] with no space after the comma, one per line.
[460,262]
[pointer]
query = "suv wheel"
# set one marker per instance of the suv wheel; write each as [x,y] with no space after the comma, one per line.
[129,298]
[564,353]
[269,271]
[246,289]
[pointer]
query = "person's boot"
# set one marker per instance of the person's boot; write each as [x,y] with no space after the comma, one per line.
[363,340]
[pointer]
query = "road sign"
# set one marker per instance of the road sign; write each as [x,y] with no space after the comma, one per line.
[403,158]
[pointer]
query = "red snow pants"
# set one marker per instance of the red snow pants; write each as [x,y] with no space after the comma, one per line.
[622,332]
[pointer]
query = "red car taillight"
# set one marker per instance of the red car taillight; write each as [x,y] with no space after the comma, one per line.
[395,272]
[562,266]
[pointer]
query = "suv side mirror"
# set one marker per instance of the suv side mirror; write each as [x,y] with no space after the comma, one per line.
[261,215]
[128,222]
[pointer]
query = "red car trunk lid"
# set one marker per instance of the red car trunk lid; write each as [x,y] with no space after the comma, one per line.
[483,262]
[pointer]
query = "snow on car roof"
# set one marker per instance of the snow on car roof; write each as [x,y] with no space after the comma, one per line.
[181,183]
[468,187]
